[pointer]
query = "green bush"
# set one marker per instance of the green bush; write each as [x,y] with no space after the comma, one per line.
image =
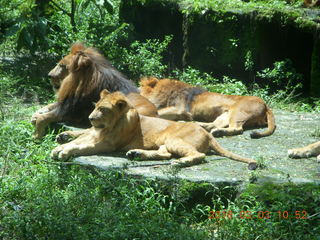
[269,211]
[194,77]
[43,199]
[145,59]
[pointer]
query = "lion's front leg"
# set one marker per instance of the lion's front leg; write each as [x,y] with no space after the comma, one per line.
[221,121]
[67,136]
[311,150]
[76,148]
[43,110]
[161,153]
[42,121]
[73,150]
[175,114]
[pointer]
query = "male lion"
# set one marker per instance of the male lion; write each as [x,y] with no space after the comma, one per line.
[78,79]
[118,127]
[311,150]
[222,115]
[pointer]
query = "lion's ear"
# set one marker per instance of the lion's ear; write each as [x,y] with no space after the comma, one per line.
[76,47]
[152,81]
[121,104]
[104,93]
[80,61]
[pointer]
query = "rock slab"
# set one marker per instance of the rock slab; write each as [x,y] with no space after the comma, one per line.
[293,130]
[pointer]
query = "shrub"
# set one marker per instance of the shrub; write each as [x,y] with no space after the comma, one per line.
[145,59]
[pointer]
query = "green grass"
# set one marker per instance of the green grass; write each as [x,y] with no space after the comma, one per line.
[287,12]
[44,199]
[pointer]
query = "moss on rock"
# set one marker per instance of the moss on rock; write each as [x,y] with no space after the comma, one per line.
[216,36]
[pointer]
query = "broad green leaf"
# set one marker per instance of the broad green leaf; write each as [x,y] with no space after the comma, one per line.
[12,30]
[109,6]
[84,4]
[41,26]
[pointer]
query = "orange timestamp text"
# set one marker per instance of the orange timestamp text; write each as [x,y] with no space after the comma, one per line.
[228,214]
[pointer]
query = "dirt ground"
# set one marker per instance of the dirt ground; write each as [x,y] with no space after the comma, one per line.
[293,130]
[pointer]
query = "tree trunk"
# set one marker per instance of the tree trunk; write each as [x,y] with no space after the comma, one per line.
[72,16]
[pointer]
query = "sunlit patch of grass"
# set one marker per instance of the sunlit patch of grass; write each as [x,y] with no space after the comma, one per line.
[316,133]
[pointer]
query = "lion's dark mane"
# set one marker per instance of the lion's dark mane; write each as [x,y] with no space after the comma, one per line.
[185,95]
[76,99]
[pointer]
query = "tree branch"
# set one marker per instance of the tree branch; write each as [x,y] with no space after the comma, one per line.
[61,9]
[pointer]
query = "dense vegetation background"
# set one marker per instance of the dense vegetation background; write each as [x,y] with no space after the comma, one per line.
[44,199]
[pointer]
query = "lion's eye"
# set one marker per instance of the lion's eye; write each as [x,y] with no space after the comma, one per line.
[103,109]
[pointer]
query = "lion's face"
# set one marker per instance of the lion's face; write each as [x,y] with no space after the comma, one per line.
[61,70]
[110,108]
[147,85]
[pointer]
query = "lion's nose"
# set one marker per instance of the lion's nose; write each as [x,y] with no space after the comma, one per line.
[51,74]
[92,118]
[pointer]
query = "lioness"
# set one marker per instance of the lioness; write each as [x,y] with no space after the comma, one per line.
[118,127]
[311,150]
[78,79]
[222,115]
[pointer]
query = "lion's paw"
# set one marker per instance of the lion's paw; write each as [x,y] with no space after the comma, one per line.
[178,163]
[188,116]
[217,132]
[296,153]
[34,118]
[63,155]
[63,137]
[133,154]
[59,153]
[55,153]
[37,136]
[291,153]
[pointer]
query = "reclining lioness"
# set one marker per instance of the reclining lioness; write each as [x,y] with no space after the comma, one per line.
[220,114]
[116,126]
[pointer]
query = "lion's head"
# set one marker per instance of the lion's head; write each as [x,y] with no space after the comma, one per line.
[61,70]
[147,84]
[109,109]
[84,72]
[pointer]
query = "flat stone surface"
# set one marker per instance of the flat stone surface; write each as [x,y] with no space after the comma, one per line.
[293,130]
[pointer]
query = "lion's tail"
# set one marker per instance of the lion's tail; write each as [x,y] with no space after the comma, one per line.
[271,126]
[225,153]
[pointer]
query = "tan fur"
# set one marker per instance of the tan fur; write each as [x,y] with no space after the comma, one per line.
[77,79]
[222,115]
[311,3]
[311,150]
[118,127]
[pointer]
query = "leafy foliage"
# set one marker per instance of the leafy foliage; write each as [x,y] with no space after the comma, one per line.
[40,198]
[290,10]
[43,199]
[282,74]
[44,25]
[145,59]
[269,211]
